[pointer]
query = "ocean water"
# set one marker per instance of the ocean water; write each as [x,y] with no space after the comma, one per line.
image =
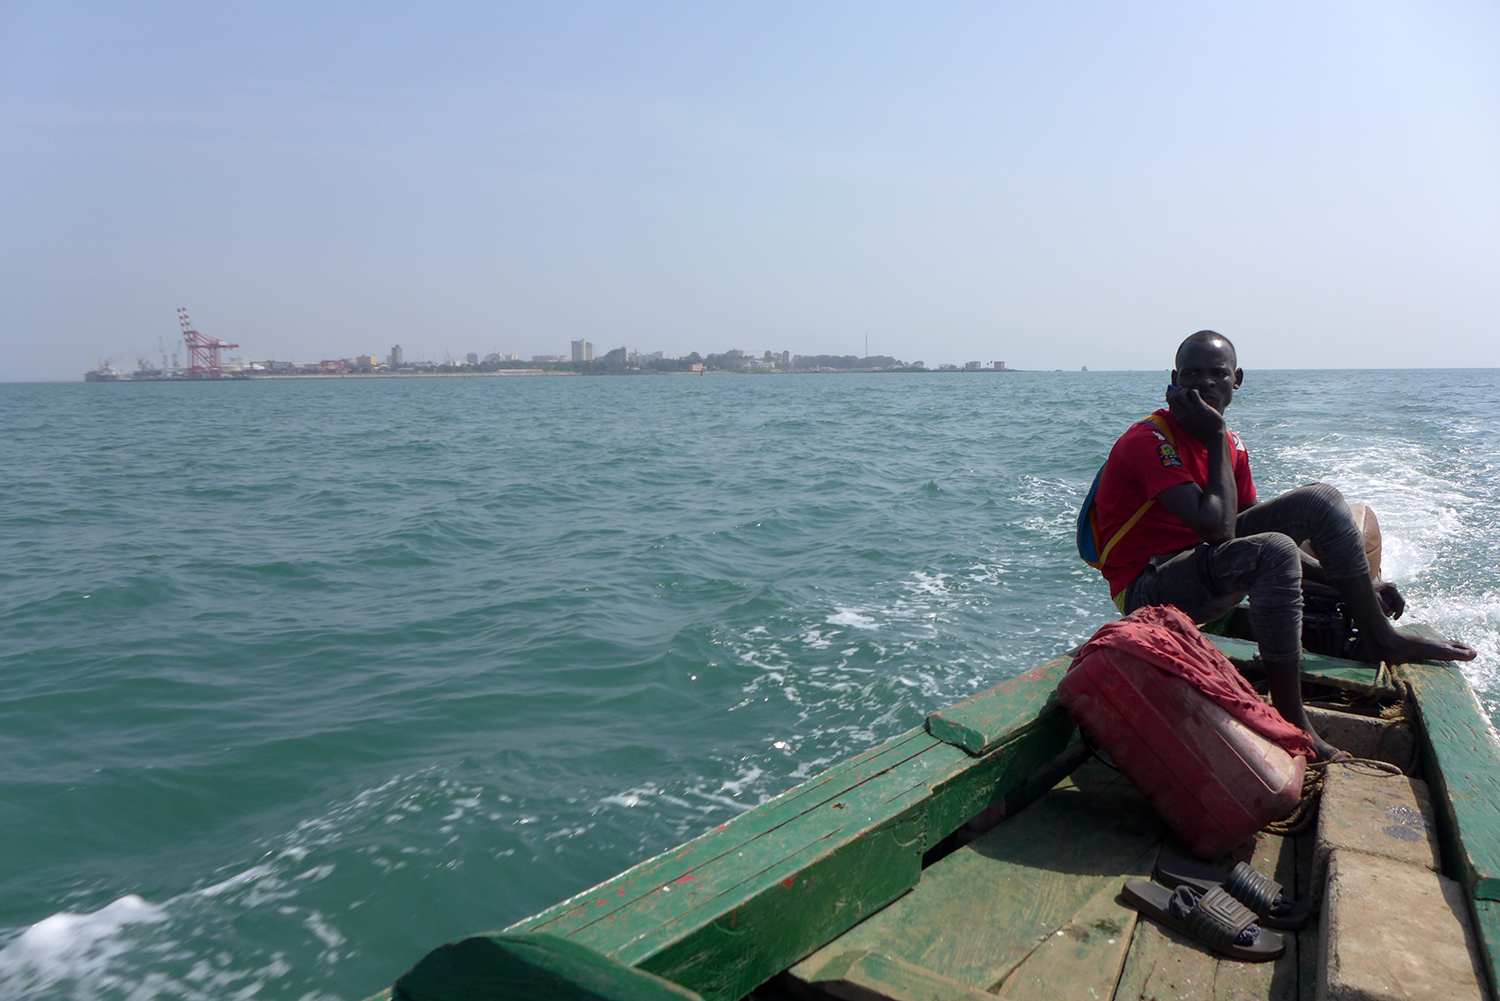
[302,679]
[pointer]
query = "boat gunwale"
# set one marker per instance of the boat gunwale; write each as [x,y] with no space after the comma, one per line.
[997,722]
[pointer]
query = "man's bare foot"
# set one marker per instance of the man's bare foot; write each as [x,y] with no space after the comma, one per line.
[1322,748]
[1400,648]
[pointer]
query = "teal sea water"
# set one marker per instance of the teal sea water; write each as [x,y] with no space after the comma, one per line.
[301,679]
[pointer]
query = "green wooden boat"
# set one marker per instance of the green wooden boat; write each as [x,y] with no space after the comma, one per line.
[889,877]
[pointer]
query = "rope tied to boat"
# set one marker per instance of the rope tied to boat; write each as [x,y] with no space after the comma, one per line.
[1306,810]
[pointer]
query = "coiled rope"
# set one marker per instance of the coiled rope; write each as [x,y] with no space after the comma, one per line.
[1306,810]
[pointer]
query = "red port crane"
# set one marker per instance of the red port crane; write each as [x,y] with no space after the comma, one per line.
[203,351]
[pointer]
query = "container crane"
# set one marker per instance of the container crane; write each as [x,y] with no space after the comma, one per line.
[203,351]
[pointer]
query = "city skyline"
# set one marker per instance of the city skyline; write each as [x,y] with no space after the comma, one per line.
[1060,186]
[582,354]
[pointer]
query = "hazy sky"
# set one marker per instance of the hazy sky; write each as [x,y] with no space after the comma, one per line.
[1048,184]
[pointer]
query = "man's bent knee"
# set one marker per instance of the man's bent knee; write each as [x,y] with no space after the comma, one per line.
[1278,551]
[1323,496]
[1281,547]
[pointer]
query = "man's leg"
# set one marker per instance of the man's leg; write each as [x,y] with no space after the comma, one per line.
[1317,513]
[1207,581]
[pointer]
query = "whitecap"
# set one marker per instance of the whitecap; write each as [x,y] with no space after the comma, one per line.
[851,618]
[67,946]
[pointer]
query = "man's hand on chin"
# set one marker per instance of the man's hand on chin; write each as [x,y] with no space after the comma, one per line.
[1196,417]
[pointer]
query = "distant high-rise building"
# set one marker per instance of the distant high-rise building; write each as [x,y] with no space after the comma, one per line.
[396,356]
[583,351]
[473,358]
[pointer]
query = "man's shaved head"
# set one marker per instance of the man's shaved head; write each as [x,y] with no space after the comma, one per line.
[1208,337]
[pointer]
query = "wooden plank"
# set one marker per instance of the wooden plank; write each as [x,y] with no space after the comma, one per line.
[1308,956]
[773,919]
[981,723]
[1462,762]
[1084,957]
[937,790]
[1487,932]
[979,912]
[729,956]
[866,976]
[1278,981]
[1240,652]
[896,838]
[724,883]
[648,877]
[733,907]
[529,968]
[968,787]
[1347,675]
[1164,964]
[1335,672]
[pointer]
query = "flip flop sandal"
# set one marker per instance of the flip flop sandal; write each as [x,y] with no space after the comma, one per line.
[1262,894]
[1214,918]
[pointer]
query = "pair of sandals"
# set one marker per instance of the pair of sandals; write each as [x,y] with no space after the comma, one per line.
[1228,912]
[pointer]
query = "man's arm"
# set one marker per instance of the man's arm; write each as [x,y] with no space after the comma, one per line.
[1210,512]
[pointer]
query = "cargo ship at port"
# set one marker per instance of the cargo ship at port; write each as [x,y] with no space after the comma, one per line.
[205,361]
[104,372]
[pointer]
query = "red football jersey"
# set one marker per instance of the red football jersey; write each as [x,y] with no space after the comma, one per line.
[1142,464]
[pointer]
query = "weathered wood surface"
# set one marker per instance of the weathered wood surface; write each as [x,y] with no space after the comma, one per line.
[1308,956]
[1084,957]
[977,914]
[981,723]
[1334,672]
[737,905]
[1487,933]
[529,968]
[1163,964]
[867,976]
[625,891]
[1462,760]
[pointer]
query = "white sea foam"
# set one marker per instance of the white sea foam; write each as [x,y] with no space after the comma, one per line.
[73,947]
[133,948]
[849,617]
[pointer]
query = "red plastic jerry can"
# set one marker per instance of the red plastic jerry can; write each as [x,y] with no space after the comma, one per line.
[1213,780]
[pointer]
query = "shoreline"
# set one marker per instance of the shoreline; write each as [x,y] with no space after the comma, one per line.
[536,372]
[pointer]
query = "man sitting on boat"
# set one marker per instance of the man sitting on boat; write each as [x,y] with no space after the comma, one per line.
[1180,524]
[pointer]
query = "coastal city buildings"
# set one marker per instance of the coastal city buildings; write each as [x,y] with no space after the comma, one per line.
[582,360]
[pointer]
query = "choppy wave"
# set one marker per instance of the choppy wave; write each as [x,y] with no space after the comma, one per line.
[304,679]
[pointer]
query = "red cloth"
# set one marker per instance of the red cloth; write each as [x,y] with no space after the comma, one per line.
[1166,639]
[1141,465]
